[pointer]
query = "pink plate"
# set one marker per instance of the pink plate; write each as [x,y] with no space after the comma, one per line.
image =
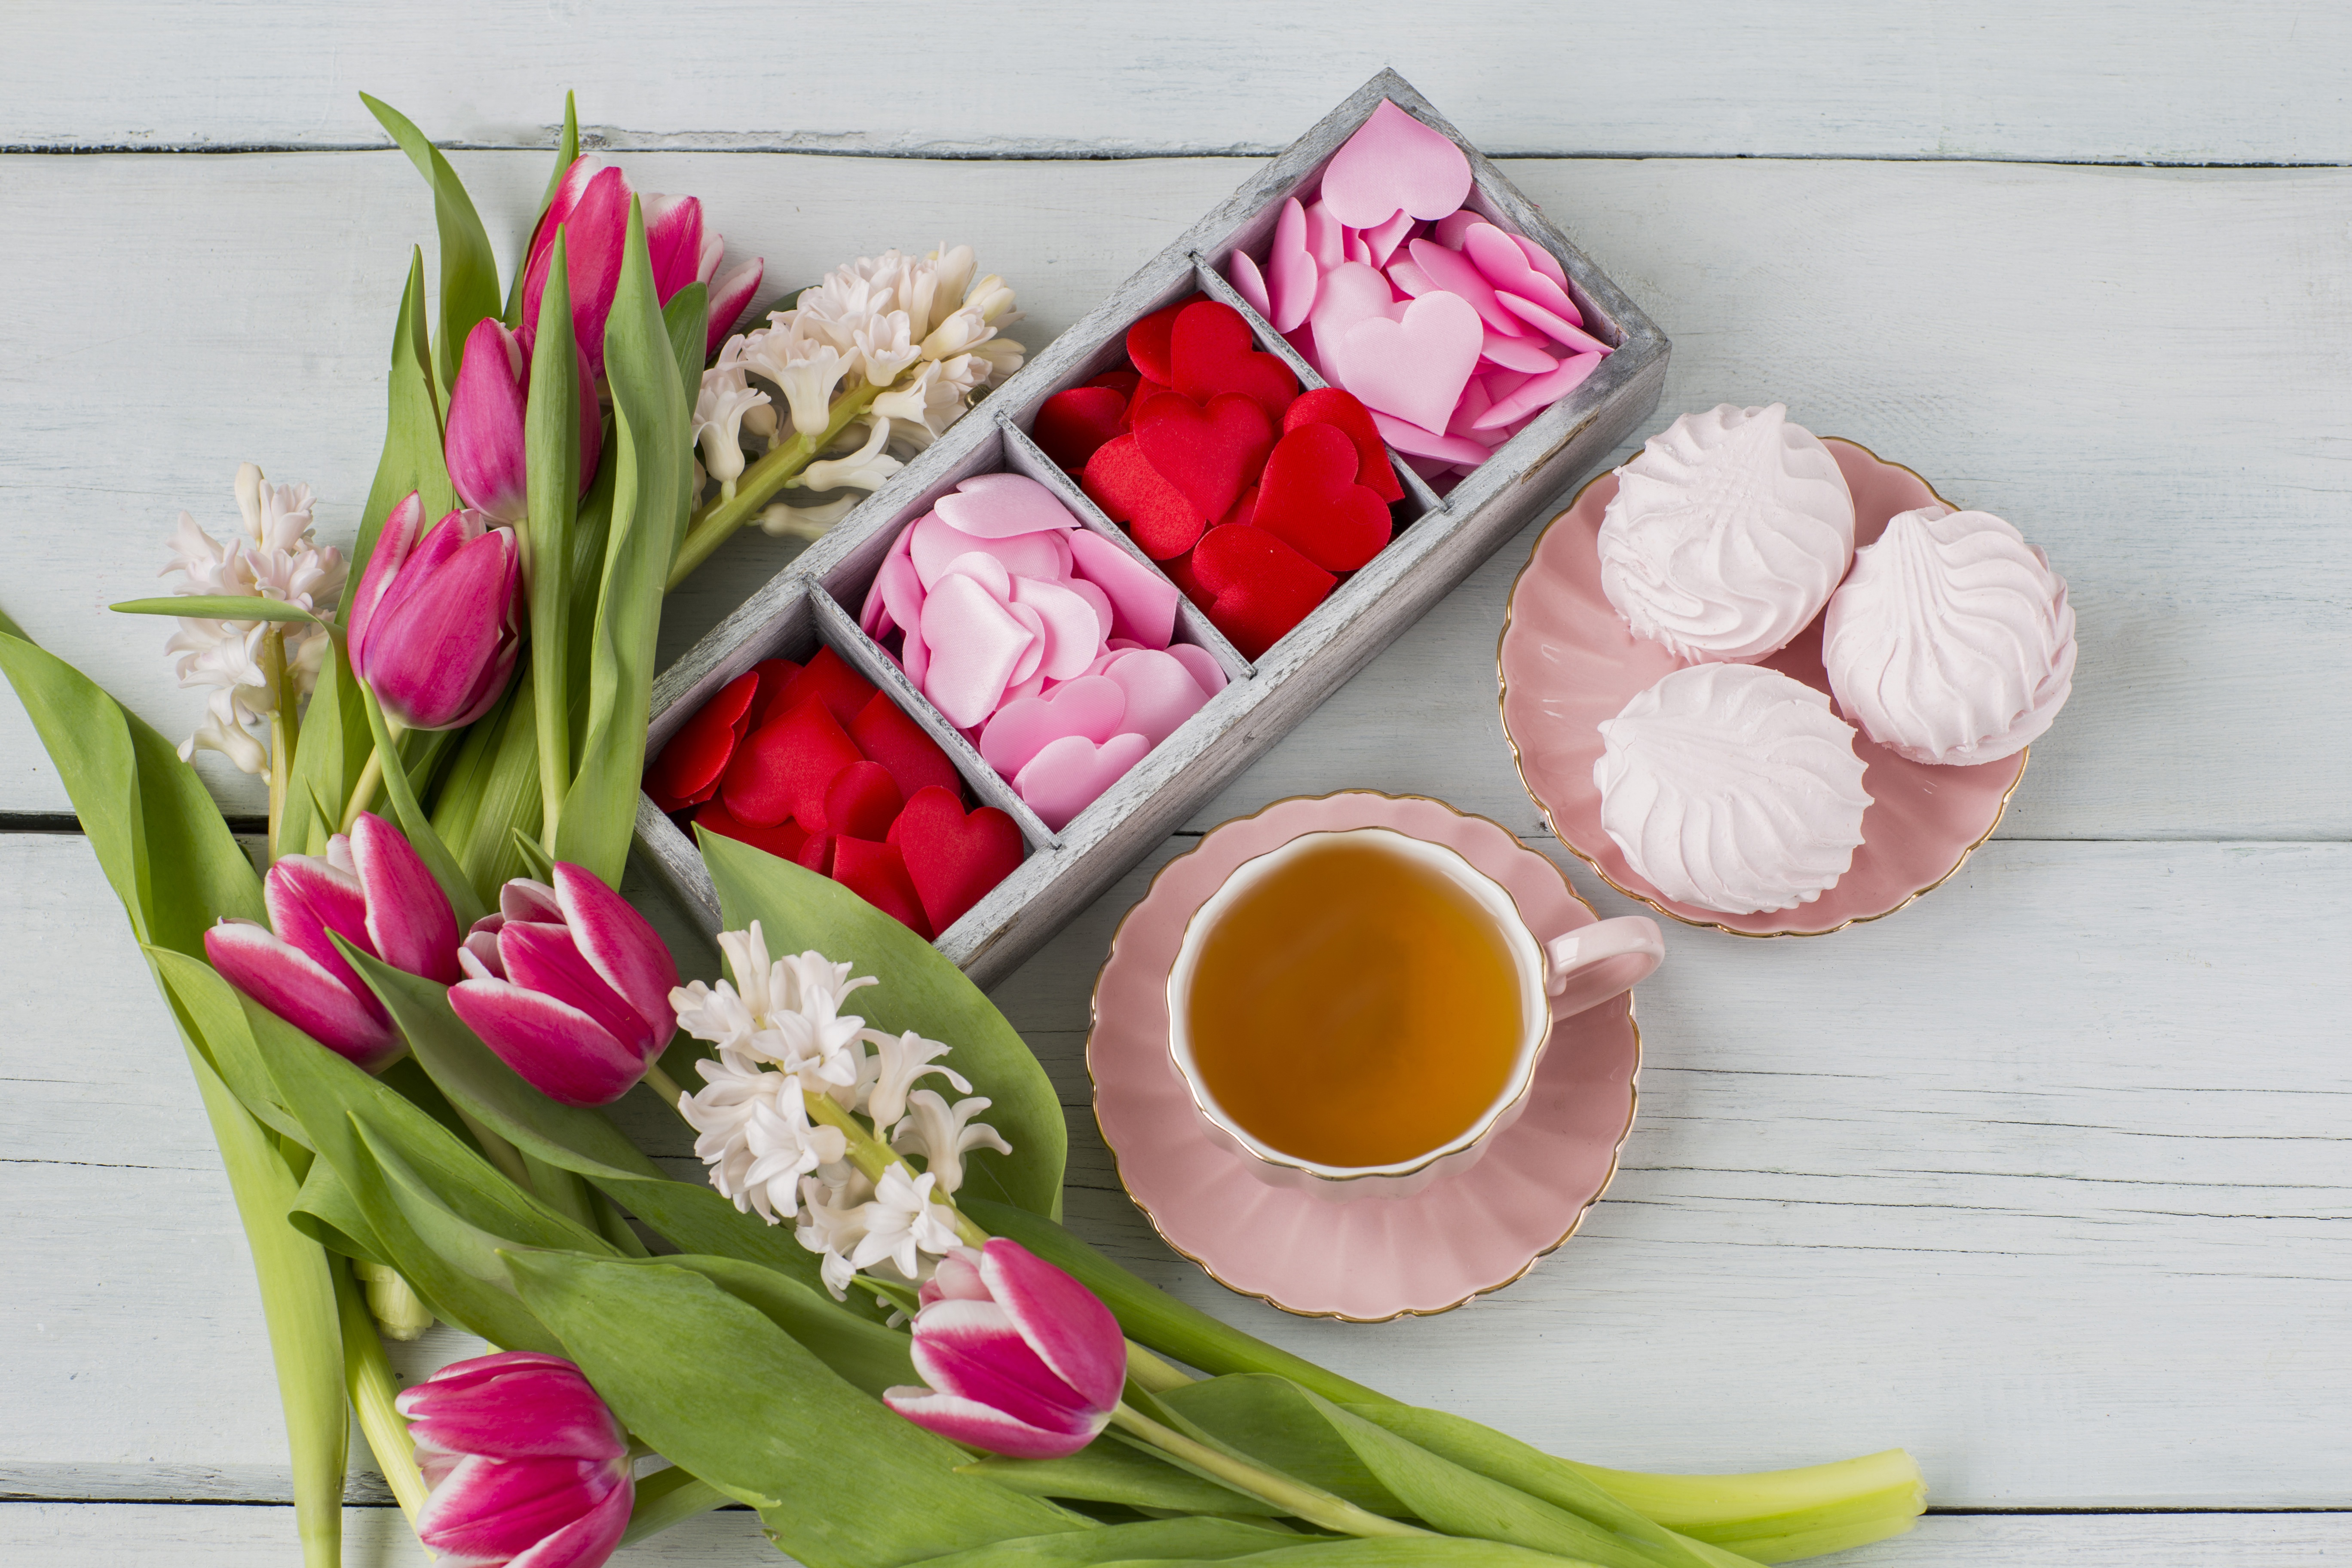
[1374,1259]
[1567,663]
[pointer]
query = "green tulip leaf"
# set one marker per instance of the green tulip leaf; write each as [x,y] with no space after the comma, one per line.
[217,1023]
[686,319]
[470,271]
[1111,1470]
[860,1351]
[412,459]
[462,895]
[1165,1541]
[219,606]
[329,758]
[552,446]
[567,152]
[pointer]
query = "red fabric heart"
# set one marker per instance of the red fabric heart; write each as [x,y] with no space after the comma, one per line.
[816,854]
[1262,587]
[1329,406]
[1147,341]
[954,858]
[1070,425]
[1123,482]
[887,735]
[784,840]
[829,679]
[689,768]
[776,674]
[1215,351]
[1210,453]
[876,873]
[1309,499]
[783,768]
[1188,581]
[1121,381]
[1244,509]
[862,801]
[1144,390]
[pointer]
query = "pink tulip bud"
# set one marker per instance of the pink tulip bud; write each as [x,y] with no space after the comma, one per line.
[374,891]
[591,207]
[569,986]
[1022,1359]
[436,624]
[485,446]
[526,1463]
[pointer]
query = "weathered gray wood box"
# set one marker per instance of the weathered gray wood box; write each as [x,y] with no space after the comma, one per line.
[815,599]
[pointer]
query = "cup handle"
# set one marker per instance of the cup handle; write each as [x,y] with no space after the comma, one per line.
[1592,964]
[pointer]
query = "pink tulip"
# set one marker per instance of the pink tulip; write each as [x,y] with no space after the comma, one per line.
[591,207]
[528,1467]
[485,446]
[374,891]
[1022,1359]
[569,986]
[435,624]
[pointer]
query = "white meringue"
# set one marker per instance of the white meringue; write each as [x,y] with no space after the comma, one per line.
[1732,787]
[1729,531]
[1952,641]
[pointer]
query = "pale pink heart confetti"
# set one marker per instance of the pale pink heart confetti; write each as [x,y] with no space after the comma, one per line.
[1070,773]
[1516,354]
[900,589]
[1201,665]
[975,645]
[1410,280]
[1097,600]
[999,506]
[874,617]
[1031,665]
[1542,390]
[1060,540]
[1161,693]
[1542,260]
[1142,602]
[1503,265]
[1090,706]
[1476,400]
[1033,686]
[1072,633]
[1419,441]
[1451,271]
[983,568]
[1500,384]
[1291,275]
[1414,367]
[1353,248]
[1452,226]
[1249,283]
[934,543]
[914,653]
[1325,241]
[1394,161]
[1382,242]
[1122,645]
[1352,292]
[1553,327]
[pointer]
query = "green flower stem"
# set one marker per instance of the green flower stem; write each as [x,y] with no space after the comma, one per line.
[662,1084]
[1151,1374]
[369,1380]
[1310,1503]
[715,524]
[371,776]
[285,729]
[1711,1507]
[502,1153]
[667,1498]
[873,1156]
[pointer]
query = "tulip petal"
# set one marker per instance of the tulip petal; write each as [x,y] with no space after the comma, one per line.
[556,1049]
[621,945]
[1065,1323]
[976,1425]
[410,924]
[971,1348]
[392,547]
[522,1412]
[307,897]
[545,958]
[527,898]
[957,1278]
[446,634]
[593,234]
[587,1541]
[497,1509]
[484,443]
[729,296]
[591,421]
[478,1370]
[673,241]
[297,988]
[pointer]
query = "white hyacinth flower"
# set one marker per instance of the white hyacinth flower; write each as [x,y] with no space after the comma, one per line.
[784,522]
[786,1011]
[888,343]
[753,1130]
[902,1223]
[718,413]
[885,1077]
[943,1134]
[863,470]
[833,1222]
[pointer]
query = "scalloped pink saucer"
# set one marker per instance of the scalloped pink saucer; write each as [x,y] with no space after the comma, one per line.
[1567,662]
[1374,1259]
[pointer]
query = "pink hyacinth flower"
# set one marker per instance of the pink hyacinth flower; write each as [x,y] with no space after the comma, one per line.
[1022,1359]
[374,891]
[485,444]
[569,986]
[528,1467]
[435,624]
[591,207]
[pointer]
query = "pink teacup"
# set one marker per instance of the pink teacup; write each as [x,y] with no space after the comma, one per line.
[1555,979]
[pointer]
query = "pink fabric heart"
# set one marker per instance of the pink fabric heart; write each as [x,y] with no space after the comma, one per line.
[935,542]
[1326,242]
[1068,775]
[1031,665]
[1502,263]
[1542,391]
[914,653]
[1353,248]
[1249,283]
[1553,326]
[875,617]
[1201,665]
[975,645]
[1394,161]
[1415,367]
[1097,601]
[1090,706]
[1516,354]
[899,587]
[1421,442]
[984,569]
[1350,293]
[1450,228]
[1072,633]
[1032,686]
[1410,280]
[1291,275]
[1142,602]
[1384,241]
[1451,271]
[1161,693]
[1543,262]
[999,506]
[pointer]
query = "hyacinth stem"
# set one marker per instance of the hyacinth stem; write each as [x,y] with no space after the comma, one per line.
[715,524]
[662,1084]
[284,729]
[371,776]
[367,1376]
[1310,1503]
[1151,1374]
[873,1156]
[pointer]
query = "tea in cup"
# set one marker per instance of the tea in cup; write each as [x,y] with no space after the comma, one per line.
[1359,1013]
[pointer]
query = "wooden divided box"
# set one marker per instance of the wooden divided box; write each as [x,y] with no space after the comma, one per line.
[815,599]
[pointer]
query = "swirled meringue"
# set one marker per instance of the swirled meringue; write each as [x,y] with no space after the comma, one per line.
[1732,787]
[1729,533]
[1952,641]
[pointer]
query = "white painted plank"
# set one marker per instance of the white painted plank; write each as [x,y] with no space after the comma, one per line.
[2045,1179]
[2140,368]
[2198,81]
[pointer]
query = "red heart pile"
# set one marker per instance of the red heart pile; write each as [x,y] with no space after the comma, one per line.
[1254,497]
[817,764]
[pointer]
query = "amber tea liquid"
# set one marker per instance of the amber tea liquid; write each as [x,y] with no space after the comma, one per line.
[1355,1006]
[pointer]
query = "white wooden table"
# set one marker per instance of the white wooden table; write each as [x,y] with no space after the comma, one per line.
[2045,1179]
